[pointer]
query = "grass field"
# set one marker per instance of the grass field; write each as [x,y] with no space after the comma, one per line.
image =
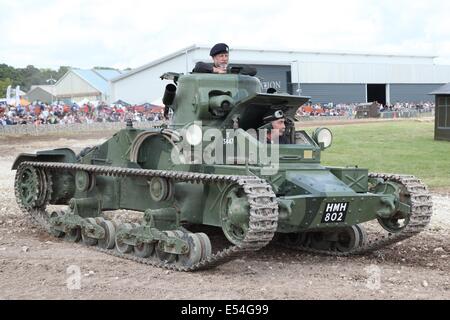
[406,147]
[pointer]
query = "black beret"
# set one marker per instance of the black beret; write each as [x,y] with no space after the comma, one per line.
[219,48]
[273,115]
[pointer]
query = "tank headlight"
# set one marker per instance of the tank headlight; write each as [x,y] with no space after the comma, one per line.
[194,135]
[323,136]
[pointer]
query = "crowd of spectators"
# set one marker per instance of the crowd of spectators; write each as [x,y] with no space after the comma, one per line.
[408,106]
[349,110]
[60,113]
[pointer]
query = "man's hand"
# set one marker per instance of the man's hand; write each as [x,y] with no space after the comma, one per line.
[219,70]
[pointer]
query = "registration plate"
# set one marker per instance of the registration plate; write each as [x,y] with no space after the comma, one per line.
[335,212]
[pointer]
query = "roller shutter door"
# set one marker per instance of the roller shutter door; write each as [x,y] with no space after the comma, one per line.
[336,93]
[412,92]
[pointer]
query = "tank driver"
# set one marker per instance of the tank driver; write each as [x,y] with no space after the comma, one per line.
[275,123]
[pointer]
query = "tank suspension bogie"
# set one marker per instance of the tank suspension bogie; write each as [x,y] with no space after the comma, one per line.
[91,232]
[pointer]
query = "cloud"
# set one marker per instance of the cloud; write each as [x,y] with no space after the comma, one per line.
[84,33]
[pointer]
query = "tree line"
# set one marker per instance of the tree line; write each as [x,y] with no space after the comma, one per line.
[27,77]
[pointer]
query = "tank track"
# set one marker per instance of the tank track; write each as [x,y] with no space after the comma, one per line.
[421,211]
[263,213]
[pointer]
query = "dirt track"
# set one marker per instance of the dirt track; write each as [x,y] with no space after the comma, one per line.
[34,266]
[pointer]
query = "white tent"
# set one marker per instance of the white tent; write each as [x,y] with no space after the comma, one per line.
[84,101]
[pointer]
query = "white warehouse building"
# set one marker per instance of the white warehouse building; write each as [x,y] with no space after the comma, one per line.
[336,77]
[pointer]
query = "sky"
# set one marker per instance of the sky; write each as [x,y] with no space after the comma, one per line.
[128,34]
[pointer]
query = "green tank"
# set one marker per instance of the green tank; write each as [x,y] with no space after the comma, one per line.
[211,189]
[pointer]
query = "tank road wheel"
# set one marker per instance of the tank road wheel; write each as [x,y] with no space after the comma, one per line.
[84,181]
[165,256]
[161,189]
[206,245]
[234,214]
[109,240]
[88,240]
[348,239]
[144,250]
[53,231]
[120,245]
[74,235]
[31,187]
[194,254]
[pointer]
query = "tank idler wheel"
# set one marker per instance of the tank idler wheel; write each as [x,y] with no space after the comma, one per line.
[74,235]
[31,187]
[120,245]
[362,235]
[109,240]
[348,239]
[393,225]
[398,221]
[144,250]
[194,255]
[88,240]
[206,245]
[165,256]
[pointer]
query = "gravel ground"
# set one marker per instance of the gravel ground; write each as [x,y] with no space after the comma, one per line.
[36,266]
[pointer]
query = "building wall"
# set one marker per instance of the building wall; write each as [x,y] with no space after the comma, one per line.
[337,93]
[323,67]
[39,95]
[277,77]
[71,85]
[412,92]
[327,72]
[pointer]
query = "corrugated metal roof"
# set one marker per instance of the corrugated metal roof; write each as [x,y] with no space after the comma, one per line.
[445,89]
[196,47]
[107,74]
[156,62]
[93,78]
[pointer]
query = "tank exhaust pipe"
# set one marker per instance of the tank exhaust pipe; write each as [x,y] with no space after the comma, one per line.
[169,94]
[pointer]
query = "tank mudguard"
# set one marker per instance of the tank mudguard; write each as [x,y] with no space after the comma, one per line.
[57,155]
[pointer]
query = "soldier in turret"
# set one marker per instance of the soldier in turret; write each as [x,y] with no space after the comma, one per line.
[220,54]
